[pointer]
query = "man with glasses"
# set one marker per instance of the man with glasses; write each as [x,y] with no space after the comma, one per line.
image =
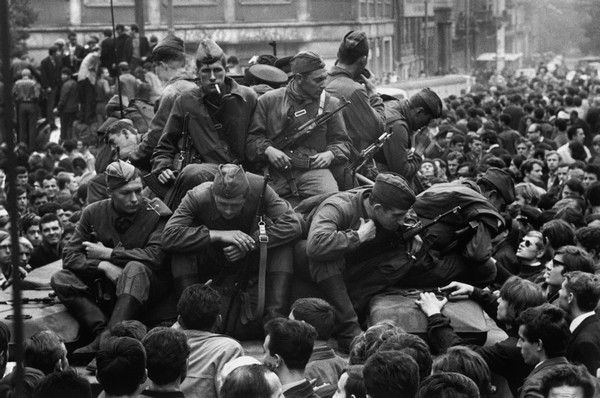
[566,259]
[529,253]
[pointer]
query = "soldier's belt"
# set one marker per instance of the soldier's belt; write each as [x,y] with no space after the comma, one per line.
[299,161]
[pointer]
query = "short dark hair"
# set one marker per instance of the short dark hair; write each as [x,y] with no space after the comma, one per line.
[292,340]
[589,238]
[464,360]
[368,342]
[592,169]
[558,233]
[521,294]
[20,170]
[128,328]
[448,385]
[43,350]
[48,208]
[120,27]
[546,323]
[575,185]
[527,165]
[36,194]
[121,363]
[568,375]
[572,131]
[355,384]
[79,162]
[63,384]
[585,287]
[592,194]
[27,221]
[245,382]
[412,345]
[316,312]
[198,307]
[167,351]
[134,28]
[505,118]
[576,259]
[48,218]
[391,374]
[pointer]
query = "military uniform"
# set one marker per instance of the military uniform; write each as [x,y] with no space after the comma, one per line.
[195,259]
[136,244]
[27,94]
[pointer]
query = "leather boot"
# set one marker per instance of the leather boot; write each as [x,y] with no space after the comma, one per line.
[334,290]
[127,307]
[91,317]
[278,286]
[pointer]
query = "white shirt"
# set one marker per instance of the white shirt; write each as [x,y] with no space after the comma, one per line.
[577,321]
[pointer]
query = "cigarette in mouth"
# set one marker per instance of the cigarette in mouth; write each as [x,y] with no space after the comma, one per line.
[218,89]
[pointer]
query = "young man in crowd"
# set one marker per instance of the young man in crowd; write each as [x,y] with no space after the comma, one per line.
[121,365]
[51,247]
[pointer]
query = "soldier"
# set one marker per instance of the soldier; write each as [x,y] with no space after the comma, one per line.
[169,59]
[214,230]
[355,250]
[303,169]
[117,241]
[365,116]
[26,92]
[218,112]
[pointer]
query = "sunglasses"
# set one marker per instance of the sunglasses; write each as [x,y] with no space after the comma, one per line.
[528,243]
[556,262]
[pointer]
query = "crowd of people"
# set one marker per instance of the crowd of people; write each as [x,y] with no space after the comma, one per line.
[226,205]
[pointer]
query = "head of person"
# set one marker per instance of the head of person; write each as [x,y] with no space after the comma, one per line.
[390,200]
[72,37]
[121,363]
[128,328]
[351,383]
[505,120]
[123,137]
[448,385]
[457,143]
[46,351]
[368,342]
[532,247]
[229,190]
[579,292]
[527,194]
[212,67]
[124,186]
[558,233]
[562,172]
[576,170]
[51,229]
[575,133]
[50,186]
[5,249]
[552,160]
[120,29]
[255,381]
[22,200]
[523,147]
[124,67]
[566,259]
[63,384]
[424,106]
[390,374]
[543,333]
[309,73]
[288,344]
[134,29]
[498,187]
[354,51]
[532,169]
[30,228]
[570,381]
[167,353]
[22,176]
[573,189]
[454,160]
[588,238]
[316,312]
[463,360]
[198,308]
[516,295]
[534,132]
[168,57]
[591,174]
[412,345]
[428,168]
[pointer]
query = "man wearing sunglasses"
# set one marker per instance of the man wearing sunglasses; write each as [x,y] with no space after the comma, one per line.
[566,259]
[529,253]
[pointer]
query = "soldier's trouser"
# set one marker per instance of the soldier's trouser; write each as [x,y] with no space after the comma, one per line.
[191,176]
[308,182]
[29,113]
[137,280]
[66,125]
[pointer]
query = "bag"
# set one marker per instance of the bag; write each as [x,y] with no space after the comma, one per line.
[398,305]
[237,306]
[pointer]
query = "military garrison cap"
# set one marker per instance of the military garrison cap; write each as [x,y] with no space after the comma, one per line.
[502,181]
[209,52]
[353,46]
[393,191]
[306,62]
[230,182]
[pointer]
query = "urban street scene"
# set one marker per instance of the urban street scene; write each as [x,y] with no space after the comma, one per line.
[300,198]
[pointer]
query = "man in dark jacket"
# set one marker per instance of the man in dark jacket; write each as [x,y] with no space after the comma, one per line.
[116,243]
[579,297]
[120,41]
[51,247]
[68,104]
[136,48]
[107,52]
[50,79]
[218,114]
[214,231]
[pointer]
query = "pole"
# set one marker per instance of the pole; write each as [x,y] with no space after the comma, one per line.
[170,16]
[500,37]
[426,38]
[112,16]
[139,16]
[9,139]
[468,37]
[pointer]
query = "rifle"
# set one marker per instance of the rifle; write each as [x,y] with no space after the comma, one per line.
[367,154]
[420,226]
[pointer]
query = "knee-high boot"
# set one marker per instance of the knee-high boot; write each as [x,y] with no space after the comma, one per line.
[277,295]
[91,317]
[127,307]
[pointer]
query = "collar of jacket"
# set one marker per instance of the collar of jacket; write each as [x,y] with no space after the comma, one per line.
[234,89]
[336,70]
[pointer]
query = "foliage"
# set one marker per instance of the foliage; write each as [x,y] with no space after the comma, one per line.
[21,16]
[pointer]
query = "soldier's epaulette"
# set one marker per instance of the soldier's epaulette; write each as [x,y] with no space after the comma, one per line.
[157,206]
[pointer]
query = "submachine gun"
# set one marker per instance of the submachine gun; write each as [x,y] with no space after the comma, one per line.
[423,226]
[367,154]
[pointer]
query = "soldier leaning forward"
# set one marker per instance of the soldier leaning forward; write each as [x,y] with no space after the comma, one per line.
[116,242]
[303,169]
[219,115]
[213,234]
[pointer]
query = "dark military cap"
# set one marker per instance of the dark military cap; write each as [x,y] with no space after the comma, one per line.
[432,101]
[393,191]
[267,74]
[170,43]
[285,64]
[230,183]
[502,181]
[306,62]
[209,52]
[353,46]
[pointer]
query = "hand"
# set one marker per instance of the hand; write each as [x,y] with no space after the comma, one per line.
[278,158]
[415,245]
[112,272]
[420,140]
[238,238]
[369,85]
[166,175]
[366,231]
[234,253]
[430,305]
[97,250]
[321,160]
[458,289]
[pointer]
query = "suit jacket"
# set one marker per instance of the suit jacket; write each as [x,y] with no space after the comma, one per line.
[128,48]
[50,72]
[107,53]
[303,390]
[533,383]
[584,345]
[79,55]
